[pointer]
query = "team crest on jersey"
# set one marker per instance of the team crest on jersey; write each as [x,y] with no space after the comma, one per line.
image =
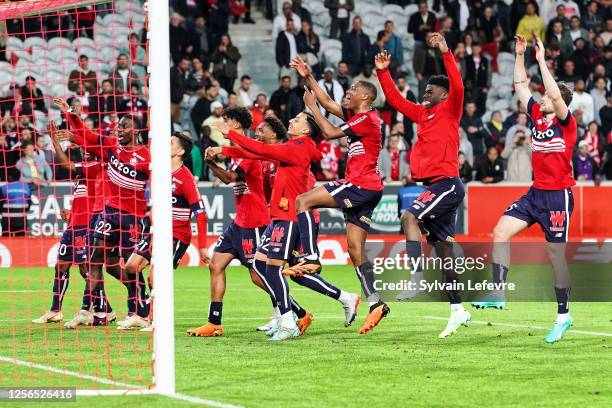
[557,221]
[133,161]
[247,246]
[134,233]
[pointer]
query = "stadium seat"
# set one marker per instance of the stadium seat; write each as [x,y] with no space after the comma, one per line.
[410,10]
[5,66]
[57,42]
[83,42]
[316,7]
[393,9]
[40,120]
[368,10]
[328,44]
[323,19]
[14,43]
[34,42]
[332,57]
[58,89]
[501,105]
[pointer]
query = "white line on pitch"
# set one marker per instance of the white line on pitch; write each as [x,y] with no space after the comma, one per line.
[108,381]
[521,326]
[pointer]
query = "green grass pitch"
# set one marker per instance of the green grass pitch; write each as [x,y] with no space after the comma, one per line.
[401,363]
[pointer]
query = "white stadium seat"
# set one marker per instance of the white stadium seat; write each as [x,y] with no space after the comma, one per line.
[410,9]
[392,9]
[14,43]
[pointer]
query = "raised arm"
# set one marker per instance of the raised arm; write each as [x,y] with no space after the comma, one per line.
[64,161]
[226,176]
[238,153]
[278,152]
[455,93]
[395,99]
[520,74]
[552,89]
[323,98]
[328,129]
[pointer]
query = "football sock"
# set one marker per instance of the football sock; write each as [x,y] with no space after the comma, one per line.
[500,273]
[307,226]
[454,295]
[344,297]
[86,305]
[287,320]
[365,273]
[297,309]
[142,305]
[456,308]
[318,284]
[562,295]
[414,250]
[214,312]
[259,267]
[279,286]
[100,302]
[60,285]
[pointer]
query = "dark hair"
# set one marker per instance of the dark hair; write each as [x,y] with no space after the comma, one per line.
[242,78]
[185,142]
[566,92]
[369,88]
[312,124]
[136,125]
[380,35]
[439,80]
[388,21]
[285,77]
[25,144]
[240,115]
[277,126]
[30,78]
[83,56]
[209,85]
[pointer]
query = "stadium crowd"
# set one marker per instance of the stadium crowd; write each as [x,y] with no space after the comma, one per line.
[204,80]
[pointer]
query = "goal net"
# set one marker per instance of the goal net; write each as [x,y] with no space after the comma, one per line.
[92,54]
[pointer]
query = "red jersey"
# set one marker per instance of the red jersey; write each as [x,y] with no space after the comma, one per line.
[364,141]
[187,201]
[127,169]
[552,145]
[101,190]
[269,173]
[331,158]
[251,207]
[293,173]
[83,202]
[435,153]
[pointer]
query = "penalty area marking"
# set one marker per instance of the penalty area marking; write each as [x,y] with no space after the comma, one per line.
[131,389]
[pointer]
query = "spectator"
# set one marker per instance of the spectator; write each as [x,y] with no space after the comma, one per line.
[308,46]
[466,147]
[340,13]
[32,97]
[122,76]
[593,140]
[15,198]
[295,100]
[209,127]
[477,77]
[570,8]
[451,35]
[421,22]
[472,125]
[427,62]
[520,126]
[569,75]
[244,92]
[178,86]
[83,75]
[335,92]
[392,162]
[225,63]
[280,99]
[218,20]
[280,22]
[394,45]
[398,117]
[258,110]
[300,11]
[356,47]
[201,110]
[558,36]
[344,75]
[194,162]
[495,131]
[136,105]
[330,163]
[488,24]
[518,156]
[368,75]
[286,50]
[583,164]
[198,77]
[105,102]
[531,24]
[599,71]
[491,167]
[582,102]
[466,173]
[380,45]
[576,31]
[598,94]
[607,33]
[560,17]
[592,21]
[33,168]
[199,40]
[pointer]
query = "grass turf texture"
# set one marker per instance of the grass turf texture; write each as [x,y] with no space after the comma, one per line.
[401,363]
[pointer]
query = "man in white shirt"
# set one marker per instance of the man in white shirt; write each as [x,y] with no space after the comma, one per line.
[583,102]
[245,92]
[286,51]
[280,21]
[334,90]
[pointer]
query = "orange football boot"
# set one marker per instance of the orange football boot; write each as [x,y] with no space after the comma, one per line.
[208,330]
[304,323]
[374,317]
